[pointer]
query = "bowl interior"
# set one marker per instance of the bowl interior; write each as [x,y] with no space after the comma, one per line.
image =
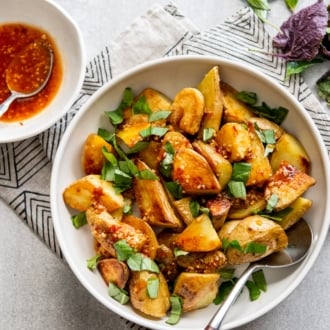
[66,35]
[169,76]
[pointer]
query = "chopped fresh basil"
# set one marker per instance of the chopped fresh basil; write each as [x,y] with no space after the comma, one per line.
[227,273]
[138,261]
[157,131]
[152,287]
[166,165]
[260,280]
[271,203]
[105,134]
[139,146]
[241,172]
[176,310]
[141,106]
[79,220]
[127,209]
[254,291]
[147,175]
[177,252]
[249,98]
[194,207]
[276,115]
[123,250]
[208,134]
[224,290]
[234,244]
[92,262]
[118,294]
[255,248]
[276,216]
[237,189]
[159,115]
[175,189]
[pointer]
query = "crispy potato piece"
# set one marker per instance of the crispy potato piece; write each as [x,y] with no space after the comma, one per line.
[219,164]
[210,88]
[91,188]
[197,290]
[187,110]
[151,246]
[199,236]
[234,110]
[114,271]
[153,203]
[193,173]
[297,209]
[253,203]
[92,158]
[156,100]
[219,209]
[155,307]
[166,262]
[182,206]
[235,140]
[130,134]
[288,183]
[108,231]
[210,262]
[177,140]
[290,149]
[150,155]
[253,229]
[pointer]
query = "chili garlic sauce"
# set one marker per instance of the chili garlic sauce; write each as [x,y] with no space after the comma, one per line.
[14,38]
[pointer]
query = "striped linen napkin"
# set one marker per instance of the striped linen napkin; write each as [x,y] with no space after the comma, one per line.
[25,166]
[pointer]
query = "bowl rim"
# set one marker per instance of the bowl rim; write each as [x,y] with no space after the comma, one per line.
[318,241]
[33,131]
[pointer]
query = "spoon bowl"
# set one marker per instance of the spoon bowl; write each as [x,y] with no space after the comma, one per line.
[34,61]
[300,238]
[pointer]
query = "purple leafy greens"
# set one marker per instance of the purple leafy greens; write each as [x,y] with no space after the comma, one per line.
[301,35]
[325,46]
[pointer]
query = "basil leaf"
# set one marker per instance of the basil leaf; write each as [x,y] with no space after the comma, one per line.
[159,115]
[141,106]
[194,207]
[276,115]
[92,262]
[79,220]
[105,134]
[127,166]
[175,189]
[241,172]
[291,4]
[234,244]
[254,291]
[152,287]
[139,146]
[166,165]
[227,273]
[271,203]
[298,67]
[224,290]
[249,98]
[260,280]
[158,131]
[323,87]
[237,189]
[255,248]
[208,134]
[149,264]
[177,252]
[138,261]
[123,250]
[147,175]
[176,310]
[118,294]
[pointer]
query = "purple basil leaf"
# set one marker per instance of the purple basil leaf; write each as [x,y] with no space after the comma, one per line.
[325,46]
[302,34]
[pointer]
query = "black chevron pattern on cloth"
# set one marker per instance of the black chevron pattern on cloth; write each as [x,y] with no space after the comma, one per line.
[34,209]
[243,38]
[20,161]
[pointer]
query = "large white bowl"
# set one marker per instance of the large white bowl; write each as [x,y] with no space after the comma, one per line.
[169,76]
[53,19]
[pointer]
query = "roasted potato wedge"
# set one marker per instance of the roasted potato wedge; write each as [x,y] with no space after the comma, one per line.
[150,155]
[114,271]
[182,206]
[288,183]
[130,134]
[210,88]
[198,236]
[140,300]
[187,110]
[91,188]
[219,164]
[193,173]
[290,149]
[153,203]
[92,158]
[234,109]
[107,231]
[234,139]
[265,124]
[219,209]
[197,290]
[254,229]
[177,140]
[151,245]
[156,100]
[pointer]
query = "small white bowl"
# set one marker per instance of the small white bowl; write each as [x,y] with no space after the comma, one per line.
[169,76]
[48,16]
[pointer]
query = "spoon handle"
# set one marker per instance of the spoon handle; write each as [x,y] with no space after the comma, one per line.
[5,105]
[220,314]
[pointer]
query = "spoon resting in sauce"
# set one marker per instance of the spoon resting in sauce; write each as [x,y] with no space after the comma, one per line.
[34,61]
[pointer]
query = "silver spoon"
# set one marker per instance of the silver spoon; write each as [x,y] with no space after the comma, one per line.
[300,238]
[35,62]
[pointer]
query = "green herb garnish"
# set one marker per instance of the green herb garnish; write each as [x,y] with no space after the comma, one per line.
[152,287]
[176,310]
[79,220]
[92,262]
[118,294]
